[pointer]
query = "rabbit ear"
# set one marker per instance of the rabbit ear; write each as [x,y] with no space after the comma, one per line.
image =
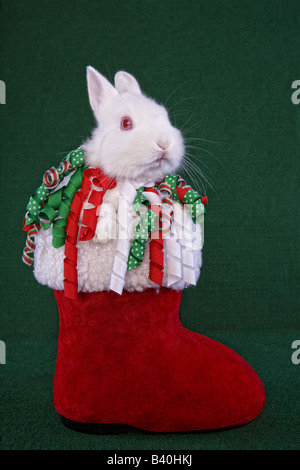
[126,82]
[99,88]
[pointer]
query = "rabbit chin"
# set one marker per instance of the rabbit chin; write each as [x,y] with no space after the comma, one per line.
[132,166]
[154,172]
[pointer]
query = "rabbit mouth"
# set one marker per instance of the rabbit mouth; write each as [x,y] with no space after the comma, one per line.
[161,156]
[158,162]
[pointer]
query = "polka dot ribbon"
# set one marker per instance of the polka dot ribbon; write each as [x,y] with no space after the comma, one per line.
[57,208]
[184,193]
[51,179]
[179,256]
[91,176]
[174,189]
[142,229]
[158,217]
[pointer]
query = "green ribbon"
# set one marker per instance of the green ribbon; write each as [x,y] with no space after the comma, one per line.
[147,221]
[142,230]
[195,207]
[76,160]
[56,210]
[48,207]
[172,180]
[191,198]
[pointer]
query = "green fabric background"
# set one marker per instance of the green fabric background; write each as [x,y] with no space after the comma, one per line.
[234,63]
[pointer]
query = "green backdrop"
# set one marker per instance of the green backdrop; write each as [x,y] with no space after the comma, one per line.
[232,64]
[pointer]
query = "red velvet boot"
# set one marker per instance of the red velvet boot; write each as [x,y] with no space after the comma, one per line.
[127,361]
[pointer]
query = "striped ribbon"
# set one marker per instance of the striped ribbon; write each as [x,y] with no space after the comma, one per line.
[72,228]
[161,221]
[51,179]
[180,261]
[166,199]
[57,208]
[36,203]
[185,194]
[28,251]
[101,183]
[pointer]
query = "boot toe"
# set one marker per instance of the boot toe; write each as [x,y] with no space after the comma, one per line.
[243,396]
[235,395]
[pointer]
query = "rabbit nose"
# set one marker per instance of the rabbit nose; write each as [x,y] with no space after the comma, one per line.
[163,144]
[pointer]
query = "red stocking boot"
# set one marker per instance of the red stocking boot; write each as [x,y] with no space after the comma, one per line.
[127,361]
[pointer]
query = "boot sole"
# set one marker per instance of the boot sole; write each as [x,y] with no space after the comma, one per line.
[95,428]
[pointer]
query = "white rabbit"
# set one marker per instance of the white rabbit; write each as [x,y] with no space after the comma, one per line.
[134,141]
[134,138]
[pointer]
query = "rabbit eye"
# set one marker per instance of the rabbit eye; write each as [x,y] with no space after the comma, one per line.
[126,123]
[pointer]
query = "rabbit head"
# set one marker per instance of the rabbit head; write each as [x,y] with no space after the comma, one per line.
[134,138]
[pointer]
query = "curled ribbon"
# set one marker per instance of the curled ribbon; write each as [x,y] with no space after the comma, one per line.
[57,208]
[72,228]
[180,259]
[161,220]
[142,230]
[51,179]
[125,219]
[156,254]
[184,193]
[172,246]
[179,256]
[184,229]
[101,184]
[28,251]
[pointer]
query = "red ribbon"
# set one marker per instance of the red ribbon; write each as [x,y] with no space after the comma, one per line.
[156,245]
[89,218]
[32,231]
[26,228]
[182,190]
[88,225]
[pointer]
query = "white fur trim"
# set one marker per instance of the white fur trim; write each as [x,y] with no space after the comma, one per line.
[95,262]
